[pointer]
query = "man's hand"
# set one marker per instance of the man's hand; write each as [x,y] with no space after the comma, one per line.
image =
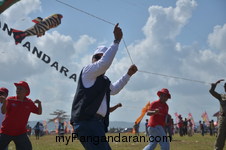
[214,84]
[117,33]
[37,101]
[156,111]
[219,81]
[132,70]
[119,105]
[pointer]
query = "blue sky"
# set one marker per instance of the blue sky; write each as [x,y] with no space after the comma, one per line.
[184,38]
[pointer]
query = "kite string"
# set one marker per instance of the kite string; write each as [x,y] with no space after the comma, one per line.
[169,76]
[158,74]
[106,21]
[127,50]
[86,13]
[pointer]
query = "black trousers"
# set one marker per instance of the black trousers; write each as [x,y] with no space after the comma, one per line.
[22,141]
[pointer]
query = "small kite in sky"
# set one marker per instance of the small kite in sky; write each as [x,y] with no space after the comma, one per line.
[39,29]
[4,4]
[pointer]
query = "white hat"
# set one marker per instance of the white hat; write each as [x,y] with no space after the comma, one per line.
[100,50]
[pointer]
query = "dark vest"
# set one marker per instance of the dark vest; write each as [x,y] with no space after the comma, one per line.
[88,100]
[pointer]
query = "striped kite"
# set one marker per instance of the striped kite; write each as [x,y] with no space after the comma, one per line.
[39,29]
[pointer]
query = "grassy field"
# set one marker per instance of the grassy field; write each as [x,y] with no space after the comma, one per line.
[196,142]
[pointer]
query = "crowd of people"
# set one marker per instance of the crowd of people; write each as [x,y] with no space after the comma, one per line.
[186,127]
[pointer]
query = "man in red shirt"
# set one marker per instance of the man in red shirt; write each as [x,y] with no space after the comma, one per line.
[158,111]
[17,110]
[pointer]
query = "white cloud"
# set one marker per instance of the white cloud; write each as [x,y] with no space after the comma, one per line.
[218,37]
[56,45]
[166,23]
[81,46]
[16,16]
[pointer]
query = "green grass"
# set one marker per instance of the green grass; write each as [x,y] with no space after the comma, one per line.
[196,142]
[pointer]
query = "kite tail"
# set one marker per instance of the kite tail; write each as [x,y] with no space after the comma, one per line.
[18,36]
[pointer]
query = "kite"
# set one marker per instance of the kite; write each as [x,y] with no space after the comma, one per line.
[39,29]
[4,4]
[143,112]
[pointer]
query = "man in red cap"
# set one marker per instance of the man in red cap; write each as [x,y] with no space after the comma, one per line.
[17,110]
[158,111]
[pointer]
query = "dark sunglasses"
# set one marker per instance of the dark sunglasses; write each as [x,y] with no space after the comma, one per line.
[97,57]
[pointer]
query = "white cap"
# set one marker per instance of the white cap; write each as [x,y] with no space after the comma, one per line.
[100,50]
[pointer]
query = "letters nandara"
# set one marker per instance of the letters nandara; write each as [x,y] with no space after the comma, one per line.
[42,56]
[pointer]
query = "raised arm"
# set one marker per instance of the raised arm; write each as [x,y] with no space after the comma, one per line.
[99,67]
[213,92]
[118,85]
[39,106]
[117,34]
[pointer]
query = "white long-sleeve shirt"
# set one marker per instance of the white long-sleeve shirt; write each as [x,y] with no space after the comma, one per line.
[93,70]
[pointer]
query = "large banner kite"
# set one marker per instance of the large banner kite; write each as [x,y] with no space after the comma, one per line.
[4,4]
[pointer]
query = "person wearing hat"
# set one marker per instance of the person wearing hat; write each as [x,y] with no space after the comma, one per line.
[221,134]
[158,111]
[91,104]
[17,110]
